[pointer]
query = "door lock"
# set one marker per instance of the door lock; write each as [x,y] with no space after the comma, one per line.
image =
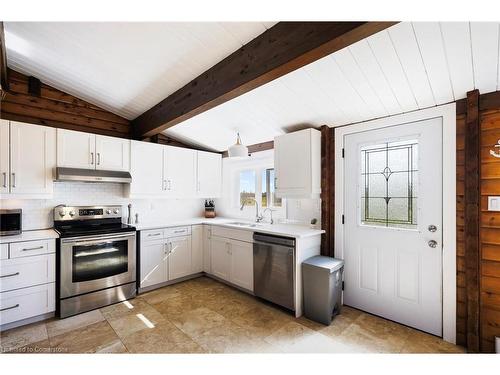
[432,228]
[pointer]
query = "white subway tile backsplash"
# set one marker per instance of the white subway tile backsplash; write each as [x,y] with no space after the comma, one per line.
[37,213]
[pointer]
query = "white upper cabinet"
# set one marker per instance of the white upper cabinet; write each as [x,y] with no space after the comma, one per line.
[90,151]
[27,162]
[75,149]
[146,169]
[209,172]
[112,154]
[179,172]
[4,157]
[297,164]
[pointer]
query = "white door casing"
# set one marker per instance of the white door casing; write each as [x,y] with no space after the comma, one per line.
[448,117]
[390,270]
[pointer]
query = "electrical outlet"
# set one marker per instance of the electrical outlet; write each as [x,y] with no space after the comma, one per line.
[494,203]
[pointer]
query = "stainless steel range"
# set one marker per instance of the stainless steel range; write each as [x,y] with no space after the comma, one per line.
[96,258]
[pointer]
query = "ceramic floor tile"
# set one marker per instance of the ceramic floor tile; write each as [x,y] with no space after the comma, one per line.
[159,295]
[60,326]
[87,339]
[22,336]
[163,338]
[177,306]
[262,321]
[133,306]
[127,324]
[290,333]
[40,347]
[232,338]
[196,322]
[420,342]
[112,348]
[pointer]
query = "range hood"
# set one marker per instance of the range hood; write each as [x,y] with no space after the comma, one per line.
[92,175]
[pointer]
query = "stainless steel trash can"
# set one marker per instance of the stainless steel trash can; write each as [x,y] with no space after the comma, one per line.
[322,288]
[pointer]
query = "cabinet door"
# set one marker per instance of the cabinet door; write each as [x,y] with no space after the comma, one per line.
[180,259]
[197,248]
[154,261]
[75,149]
[221,259]
[241,264]
[112,154]
[209,173]
[207,261]
[146,169]
[4,157]
[180,172]
[32,158]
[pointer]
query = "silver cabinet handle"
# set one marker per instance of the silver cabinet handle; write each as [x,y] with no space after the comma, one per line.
[33,248]
[432,243]
[98,158]
[154,234]
[163,185]
[9,308]
[91,158]
[275,182]
[13,180]
[9,275]
[169,184]
[4,179]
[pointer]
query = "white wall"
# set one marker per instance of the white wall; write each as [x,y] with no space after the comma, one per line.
[299,211]
[37,213]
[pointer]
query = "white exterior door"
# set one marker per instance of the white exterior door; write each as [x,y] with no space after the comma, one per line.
[4,157]
[179,261]
[393,223]
[112,154]
[75,149]
[32,158]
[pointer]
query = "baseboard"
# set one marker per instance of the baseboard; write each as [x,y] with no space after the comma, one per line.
[26,321]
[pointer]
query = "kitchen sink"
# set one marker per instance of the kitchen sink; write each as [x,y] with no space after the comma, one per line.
[240,224]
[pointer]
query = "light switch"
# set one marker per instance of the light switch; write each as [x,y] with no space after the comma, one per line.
[493,203]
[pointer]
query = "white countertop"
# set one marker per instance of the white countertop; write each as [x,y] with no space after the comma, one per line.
[289,230]
[30,235]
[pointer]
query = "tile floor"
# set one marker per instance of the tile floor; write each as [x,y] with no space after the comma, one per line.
[205,316]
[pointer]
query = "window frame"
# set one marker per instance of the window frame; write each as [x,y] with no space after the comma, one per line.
[258,170]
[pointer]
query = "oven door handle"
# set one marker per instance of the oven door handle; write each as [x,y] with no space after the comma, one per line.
[96,252]
[78,241]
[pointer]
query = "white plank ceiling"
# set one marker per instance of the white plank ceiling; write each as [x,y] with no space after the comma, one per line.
[127,68]
[123,67]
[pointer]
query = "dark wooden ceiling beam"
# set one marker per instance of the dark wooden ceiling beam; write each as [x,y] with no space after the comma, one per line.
[283,48]
[4,79]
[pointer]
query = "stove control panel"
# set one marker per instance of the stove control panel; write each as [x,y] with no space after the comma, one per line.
[63,213]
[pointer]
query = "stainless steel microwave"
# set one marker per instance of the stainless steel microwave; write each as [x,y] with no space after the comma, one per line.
[11,222]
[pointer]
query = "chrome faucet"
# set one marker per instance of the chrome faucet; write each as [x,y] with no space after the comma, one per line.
[271,211]
[258,218]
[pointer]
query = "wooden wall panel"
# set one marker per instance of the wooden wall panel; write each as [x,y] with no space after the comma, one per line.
[490,232]
[58,109]
[328,190]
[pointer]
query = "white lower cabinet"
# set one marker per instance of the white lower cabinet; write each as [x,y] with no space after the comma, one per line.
[179,257]
[27,280]
[153,263]
[25,303]
[232,261]
[207,261]
[197,248]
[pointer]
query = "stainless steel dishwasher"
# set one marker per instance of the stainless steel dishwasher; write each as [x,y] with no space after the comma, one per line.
[273,269]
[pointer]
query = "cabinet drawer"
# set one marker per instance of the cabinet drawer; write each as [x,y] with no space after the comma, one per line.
[27,271]
[152,235]
[4,251]
[29,248]
[235,234]
[25,303]
[178,231]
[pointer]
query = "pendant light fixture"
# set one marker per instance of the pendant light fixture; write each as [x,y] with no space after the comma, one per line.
[238,150]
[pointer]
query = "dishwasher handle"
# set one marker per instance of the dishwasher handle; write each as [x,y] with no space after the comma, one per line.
[273,240]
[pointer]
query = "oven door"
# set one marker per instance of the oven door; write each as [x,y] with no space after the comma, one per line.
[93,263]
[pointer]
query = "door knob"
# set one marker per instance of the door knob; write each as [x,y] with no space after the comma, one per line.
[432,243]
[432,228]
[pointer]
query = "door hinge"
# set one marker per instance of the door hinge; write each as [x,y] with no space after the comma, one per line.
[343,285]
[343,219]
[343,152]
